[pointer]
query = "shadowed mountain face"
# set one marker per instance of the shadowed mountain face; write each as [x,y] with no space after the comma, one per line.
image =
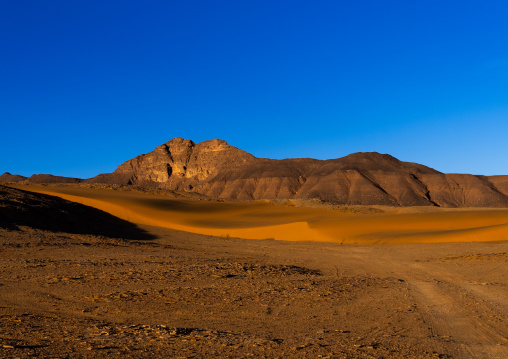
[218,170]
[21,208]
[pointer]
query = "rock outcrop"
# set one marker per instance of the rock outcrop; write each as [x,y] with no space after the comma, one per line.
[218,170]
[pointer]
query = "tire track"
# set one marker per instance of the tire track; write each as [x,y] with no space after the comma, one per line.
[466,317]
[450,321]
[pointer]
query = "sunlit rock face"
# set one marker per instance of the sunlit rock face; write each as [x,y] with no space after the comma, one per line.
[181,163]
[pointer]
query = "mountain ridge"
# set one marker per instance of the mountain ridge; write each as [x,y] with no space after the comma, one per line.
[218,170]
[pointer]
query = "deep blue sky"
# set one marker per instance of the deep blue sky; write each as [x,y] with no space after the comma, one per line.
[86,84]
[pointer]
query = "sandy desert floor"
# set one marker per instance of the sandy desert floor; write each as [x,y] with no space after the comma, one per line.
[161,292]
[264,220]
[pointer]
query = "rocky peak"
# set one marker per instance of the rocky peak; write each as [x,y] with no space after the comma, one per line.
[179,144]
[215,145]
[181,160]
[370,157]
[380,162]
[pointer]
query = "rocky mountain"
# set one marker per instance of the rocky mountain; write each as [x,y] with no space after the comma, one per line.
[218,170]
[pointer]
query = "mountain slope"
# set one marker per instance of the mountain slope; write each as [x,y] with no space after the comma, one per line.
[218,170]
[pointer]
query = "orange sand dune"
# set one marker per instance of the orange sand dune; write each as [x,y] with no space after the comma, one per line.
[262,220]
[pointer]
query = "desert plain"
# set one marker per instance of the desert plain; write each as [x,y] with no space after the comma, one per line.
[97,271]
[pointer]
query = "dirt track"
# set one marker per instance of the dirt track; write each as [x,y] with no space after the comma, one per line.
[462,299]
[188,295]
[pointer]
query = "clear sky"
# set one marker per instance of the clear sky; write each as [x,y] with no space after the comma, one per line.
[87,84]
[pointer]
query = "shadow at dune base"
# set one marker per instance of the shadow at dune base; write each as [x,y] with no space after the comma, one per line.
[22,208]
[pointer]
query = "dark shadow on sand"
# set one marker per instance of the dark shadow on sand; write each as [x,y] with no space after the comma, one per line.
[23,208]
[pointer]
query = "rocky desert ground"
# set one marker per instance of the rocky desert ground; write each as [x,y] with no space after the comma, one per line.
[116,279]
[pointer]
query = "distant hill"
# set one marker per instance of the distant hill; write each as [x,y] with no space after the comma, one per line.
[7,177]
[218,170]
[38,178]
